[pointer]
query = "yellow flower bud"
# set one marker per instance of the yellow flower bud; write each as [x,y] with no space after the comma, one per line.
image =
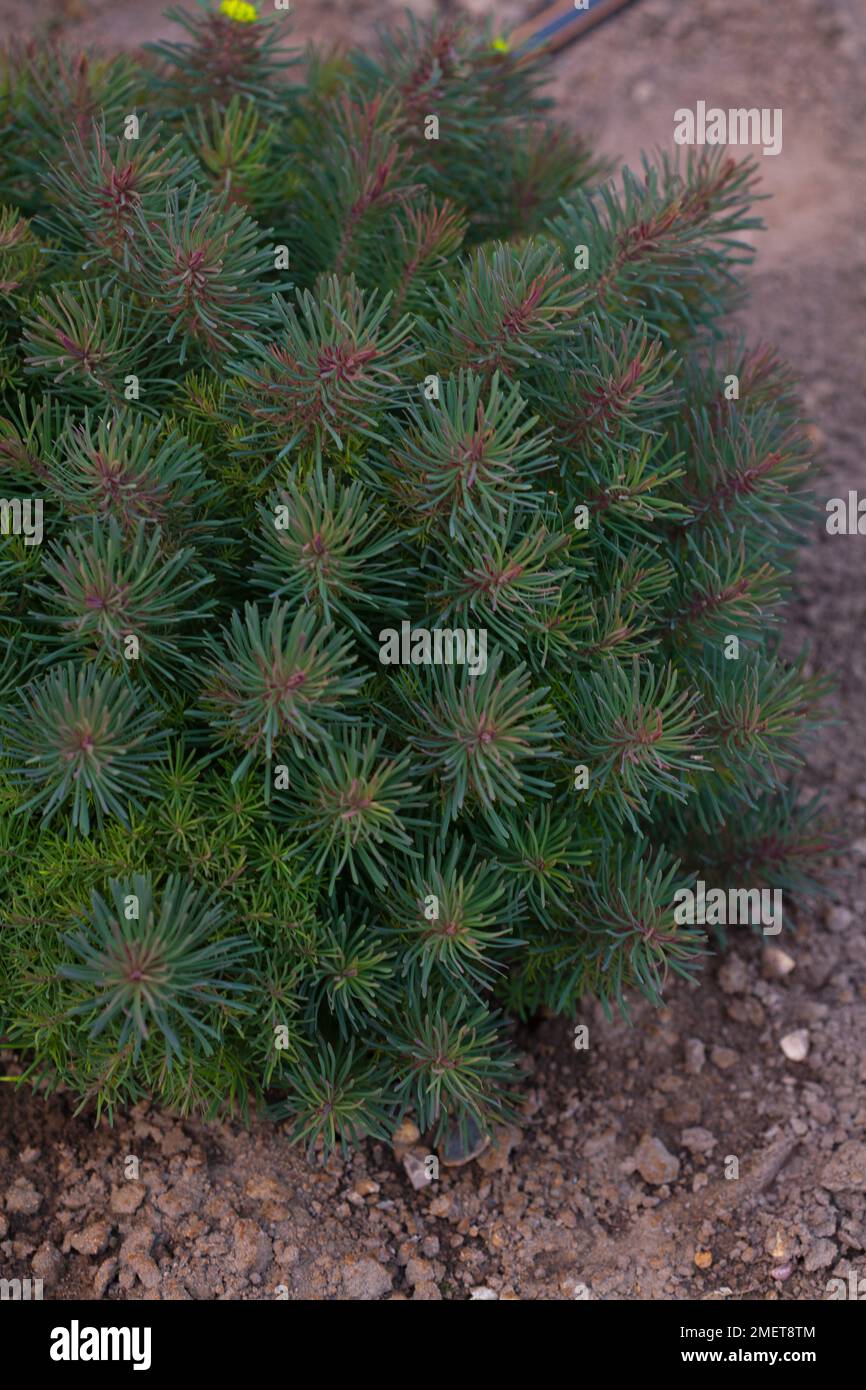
[240,11]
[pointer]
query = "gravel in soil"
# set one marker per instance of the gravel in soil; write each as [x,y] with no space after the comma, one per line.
[715,1149]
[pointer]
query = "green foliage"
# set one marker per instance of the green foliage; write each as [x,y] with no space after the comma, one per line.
[325,374]
[204,272]
[109,594]
[223,57]
[326,544]
[84,744]
[350,803]
[122,466]
[275,682]
[145,966]
[289,371]
[98,194]
[81,338]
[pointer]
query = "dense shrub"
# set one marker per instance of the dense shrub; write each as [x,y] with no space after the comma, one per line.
[288,367]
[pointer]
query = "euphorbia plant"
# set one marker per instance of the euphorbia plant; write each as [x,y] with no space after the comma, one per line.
[403,631]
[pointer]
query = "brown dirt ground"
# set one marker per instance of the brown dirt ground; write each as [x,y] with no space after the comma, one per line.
[220,1212]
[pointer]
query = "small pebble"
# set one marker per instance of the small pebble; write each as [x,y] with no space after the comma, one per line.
[695,1056]
[723,1058]
[405,1135]
[776,964]
[838,919]
[796,1045]
[654,1163]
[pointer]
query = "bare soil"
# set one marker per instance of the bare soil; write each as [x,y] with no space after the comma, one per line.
[614,1186]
